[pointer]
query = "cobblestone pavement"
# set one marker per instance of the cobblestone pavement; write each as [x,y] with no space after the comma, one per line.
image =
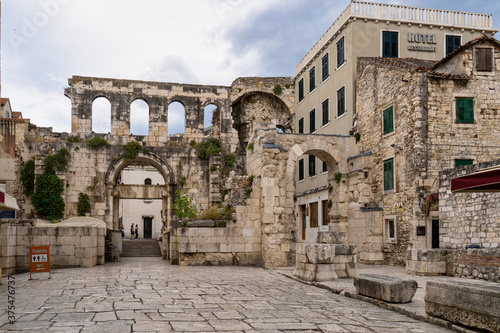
[149,295]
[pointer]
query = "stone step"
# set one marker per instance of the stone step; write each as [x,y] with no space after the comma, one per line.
[140,248]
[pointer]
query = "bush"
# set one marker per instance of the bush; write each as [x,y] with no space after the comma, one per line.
[337,176]
[132,149]
[56,162]
[74,139]
[83,204]
[183,206]
[47,196]
[229,160]
[208,148]
[28,177]
[277,89]
[97,142]
[212,213]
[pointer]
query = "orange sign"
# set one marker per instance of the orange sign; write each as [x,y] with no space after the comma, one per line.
[39,259]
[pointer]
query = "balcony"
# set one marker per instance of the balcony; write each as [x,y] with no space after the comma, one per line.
[403,14]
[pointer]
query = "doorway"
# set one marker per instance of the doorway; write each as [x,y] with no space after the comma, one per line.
[148,227]
[435,233]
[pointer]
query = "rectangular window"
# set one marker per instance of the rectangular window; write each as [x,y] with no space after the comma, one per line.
[452,43]
[301,169]
[340,52]
[325,113]
[461,162]
[340,101]
[312,79]
[390,230]
[301,89]
[389,174]
[387,121]
[324,210]
[465,110]
[324,168]
[312,165]
[312,121]
[313,218]
[390,44]
[325,71]
[484,59]
[301,125]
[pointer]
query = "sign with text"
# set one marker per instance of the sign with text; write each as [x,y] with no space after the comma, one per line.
[39,259]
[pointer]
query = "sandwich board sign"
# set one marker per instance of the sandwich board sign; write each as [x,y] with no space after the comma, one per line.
[39,260]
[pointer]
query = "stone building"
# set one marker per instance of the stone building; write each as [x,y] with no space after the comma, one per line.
[325,79]
[418,118]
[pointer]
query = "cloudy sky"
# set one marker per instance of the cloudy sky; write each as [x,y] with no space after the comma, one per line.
[45,42]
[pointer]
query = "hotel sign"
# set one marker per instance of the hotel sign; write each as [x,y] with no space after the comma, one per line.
[424,42]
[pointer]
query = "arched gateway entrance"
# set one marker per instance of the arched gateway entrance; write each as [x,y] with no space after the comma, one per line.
[117,190]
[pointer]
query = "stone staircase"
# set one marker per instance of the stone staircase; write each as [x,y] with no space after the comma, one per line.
[140,248]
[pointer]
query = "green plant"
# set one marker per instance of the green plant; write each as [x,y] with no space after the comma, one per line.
[47,197]
[182,181]
[132,149]
[213,168]
[28,177]
[192,144]
[337,176]
[287,86]
[183,205]
[74,139]
[221,224]
[250,146]
[277,89]
[97,142]
[208,148]
[224,193]
[83,204]
[329,204]
[77,148]
[248,191]
[56,162]
[229,160]
[249,181]
[357,136]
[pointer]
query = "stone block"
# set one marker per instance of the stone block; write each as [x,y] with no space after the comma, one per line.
[386,288]
[319,253]
[325,273]
[331,237]
[468,303]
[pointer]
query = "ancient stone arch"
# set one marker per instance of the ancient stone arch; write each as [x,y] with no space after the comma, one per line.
[116,191]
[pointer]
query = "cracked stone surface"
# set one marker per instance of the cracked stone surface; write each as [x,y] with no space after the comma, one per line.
[149,295]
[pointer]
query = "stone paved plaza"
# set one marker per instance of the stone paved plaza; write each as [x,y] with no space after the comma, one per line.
[149,295]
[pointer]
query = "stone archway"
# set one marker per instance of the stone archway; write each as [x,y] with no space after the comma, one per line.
[117,191]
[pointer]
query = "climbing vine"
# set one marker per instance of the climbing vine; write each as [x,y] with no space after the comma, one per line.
[28,177]
[83,204]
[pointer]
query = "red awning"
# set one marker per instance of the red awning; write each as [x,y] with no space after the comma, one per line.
[487,180]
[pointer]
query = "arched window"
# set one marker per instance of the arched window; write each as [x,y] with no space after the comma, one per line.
[208,115]
[139,117]
[147,181]
[176,118]
[101,115]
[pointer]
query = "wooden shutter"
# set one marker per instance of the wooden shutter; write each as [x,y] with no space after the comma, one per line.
[484,59]
[388,122]
[313,206]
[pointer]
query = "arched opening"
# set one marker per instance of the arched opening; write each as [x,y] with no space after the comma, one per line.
[139,117]
[101,115]
[176,118]
[208,116]
[140,205]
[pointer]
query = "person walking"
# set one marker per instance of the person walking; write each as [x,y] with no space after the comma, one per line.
[136,231]
[132,231]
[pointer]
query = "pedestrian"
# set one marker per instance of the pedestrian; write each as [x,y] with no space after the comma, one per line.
[132,231]
[136,230]
[122,229]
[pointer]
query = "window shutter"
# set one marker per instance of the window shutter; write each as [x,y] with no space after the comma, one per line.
[484,59]
[388,175]
[468,110]
[388,121]
[301,169]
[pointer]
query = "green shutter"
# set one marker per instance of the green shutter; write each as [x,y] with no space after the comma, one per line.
[388,174]
[465,110]
[388,122]
[461,162]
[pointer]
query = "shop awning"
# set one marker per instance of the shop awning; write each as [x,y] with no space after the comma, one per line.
[487,180]
[7,201]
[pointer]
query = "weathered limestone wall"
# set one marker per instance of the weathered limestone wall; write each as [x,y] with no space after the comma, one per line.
[380,87]
[69,246]
[468,218]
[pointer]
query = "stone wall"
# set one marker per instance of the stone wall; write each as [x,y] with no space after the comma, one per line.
[69,246]
[471,217]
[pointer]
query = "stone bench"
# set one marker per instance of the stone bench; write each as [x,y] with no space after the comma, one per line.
[470,303]
[385,288]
